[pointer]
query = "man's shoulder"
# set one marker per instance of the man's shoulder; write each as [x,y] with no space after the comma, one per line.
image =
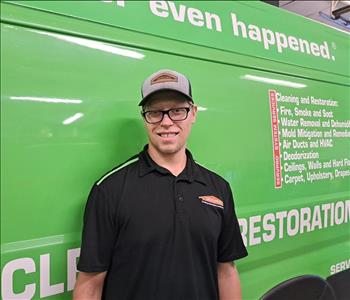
[118,172]
[210,175]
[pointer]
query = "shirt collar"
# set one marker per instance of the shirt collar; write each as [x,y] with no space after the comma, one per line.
[192,171]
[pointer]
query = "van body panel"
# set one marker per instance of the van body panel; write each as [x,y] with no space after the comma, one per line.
[236,26]
[69,95]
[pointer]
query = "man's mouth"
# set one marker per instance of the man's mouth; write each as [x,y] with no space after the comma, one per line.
[168,134]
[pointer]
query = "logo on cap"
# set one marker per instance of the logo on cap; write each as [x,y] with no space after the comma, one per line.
[164,77]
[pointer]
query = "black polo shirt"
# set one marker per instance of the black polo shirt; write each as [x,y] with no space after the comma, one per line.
[159,236]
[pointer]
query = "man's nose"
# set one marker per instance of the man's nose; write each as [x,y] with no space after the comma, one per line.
[166,121]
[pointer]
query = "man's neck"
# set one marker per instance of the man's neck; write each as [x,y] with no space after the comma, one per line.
[174,162]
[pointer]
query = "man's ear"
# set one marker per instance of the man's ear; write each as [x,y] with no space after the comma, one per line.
[194,112]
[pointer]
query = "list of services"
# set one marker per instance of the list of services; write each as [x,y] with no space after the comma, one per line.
[306,134]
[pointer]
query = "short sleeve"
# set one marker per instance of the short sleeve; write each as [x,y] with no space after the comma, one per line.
[230,243]
[99,232]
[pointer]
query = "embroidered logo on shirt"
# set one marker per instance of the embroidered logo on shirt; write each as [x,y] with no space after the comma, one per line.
[212,200]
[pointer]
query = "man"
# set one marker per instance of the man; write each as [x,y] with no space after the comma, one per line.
[160,226]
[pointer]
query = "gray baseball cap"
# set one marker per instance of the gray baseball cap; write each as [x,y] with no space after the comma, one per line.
[165,80]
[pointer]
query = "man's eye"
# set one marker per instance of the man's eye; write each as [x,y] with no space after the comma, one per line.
[178,110]
[154,113]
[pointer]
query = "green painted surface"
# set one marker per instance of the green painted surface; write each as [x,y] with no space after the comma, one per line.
[69,94]
[249,27]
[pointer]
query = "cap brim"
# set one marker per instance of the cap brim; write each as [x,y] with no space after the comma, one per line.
[145,99]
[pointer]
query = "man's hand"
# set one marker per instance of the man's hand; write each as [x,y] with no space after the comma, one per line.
[89,286]
[228,280]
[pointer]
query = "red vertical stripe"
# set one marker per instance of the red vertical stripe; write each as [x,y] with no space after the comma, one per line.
[275,139]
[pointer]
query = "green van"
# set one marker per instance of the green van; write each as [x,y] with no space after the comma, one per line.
[274,120]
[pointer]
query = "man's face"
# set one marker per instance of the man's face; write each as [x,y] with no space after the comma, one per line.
[168,136]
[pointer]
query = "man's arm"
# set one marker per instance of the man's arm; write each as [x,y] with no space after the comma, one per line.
[89,286]
[228,280]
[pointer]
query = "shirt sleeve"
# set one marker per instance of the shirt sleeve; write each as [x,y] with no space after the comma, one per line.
[230,243]
[99,232]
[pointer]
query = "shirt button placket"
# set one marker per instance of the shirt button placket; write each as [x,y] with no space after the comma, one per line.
[179,199]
